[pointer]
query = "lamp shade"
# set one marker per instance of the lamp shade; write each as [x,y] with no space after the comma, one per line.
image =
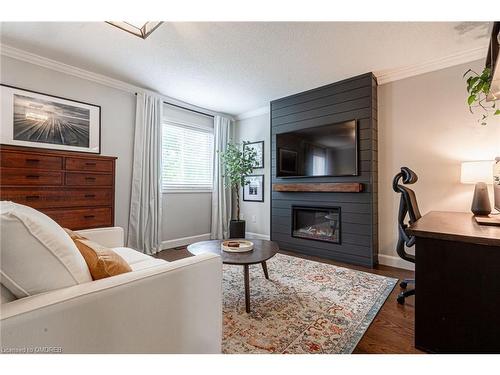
[477,171]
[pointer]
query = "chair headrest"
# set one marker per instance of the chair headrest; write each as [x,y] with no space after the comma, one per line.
[409,177]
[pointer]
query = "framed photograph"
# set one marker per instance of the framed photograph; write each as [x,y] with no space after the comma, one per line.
[253,190]
[258,147]
[288,161]
[34,119]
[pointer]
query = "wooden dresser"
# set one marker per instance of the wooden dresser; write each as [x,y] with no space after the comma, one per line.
[77,190]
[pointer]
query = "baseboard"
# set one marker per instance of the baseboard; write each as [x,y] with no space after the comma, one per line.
[169,244]
[389,260]
[257,236]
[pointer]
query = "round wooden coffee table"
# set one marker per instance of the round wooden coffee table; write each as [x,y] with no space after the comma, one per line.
[262,251]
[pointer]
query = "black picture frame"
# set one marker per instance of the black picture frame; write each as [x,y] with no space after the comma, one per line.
[7,120]
[247,189]
[259,144]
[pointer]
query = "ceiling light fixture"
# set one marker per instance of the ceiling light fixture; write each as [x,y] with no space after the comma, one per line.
[142,29]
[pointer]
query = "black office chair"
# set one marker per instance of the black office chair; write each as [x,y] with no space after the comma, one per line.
[407,206]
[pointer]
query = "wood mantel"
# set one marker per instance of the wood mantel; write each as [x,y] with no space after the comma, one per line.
[327,187]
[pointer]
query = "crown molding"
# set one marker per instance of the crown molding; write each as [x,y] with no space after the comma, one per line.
[391,75]
[44,62]
[383,76]
[58,66]
[254,113]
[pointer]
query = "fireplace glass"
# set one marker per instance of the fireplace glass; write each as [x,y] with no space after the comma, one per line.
[316,223]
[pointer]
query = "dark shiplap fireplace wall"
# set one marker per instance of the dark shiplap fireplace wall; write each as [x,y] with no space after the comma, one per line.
[354,98]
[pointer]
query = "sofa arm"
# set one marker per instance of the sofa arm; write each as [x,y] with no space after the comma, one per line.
[109,237]
[175,307]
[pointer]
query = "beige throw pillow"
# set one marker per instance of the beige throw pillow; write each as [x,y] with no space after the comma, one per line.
[36,255]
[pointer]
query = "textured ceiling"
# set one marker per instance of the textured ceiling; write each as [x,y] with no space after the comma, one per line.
[237,67]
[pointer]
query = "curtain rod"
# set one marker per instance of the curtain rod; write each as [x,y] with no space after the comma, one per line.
[185,108]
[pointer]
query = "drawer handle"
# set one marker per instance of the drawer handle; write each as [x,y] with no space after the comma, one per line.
[90,178]
[32,197]
[89,216]
[33,176]
[90,164]
[89,195]
[32,161]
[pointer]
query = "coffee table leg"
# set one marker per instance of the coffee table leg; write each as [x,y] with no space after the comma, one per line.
[247,287]
[264,267]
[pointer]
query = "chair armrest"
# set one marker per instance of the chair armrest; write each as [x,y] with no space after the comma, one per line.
[109,237]
[175,307]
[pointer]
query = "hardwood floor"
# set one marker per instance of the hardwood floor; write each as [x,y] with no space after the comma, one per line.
[391,332]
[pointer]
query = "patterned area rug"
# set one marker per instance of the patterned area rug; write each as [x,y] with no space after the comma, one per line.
[305,307]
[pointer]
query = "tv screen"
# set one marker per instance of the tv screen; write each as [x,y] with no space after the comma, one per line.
[328,150]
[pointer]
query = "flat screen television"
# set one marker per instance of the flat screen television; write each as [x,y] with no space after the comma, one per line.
[327,150]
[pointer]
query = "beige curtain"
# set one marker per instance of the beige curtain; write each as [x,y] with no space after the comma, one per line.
[221,196]
[144,229]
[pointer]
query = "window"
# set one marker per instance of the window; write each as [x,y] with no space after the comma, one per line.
[187,152]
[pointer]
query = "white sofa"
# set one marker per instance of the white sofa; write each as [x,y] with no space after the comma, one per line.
[159,307]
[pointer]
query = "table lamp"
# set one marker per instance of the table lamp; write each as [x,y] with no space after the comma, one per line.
[479,173]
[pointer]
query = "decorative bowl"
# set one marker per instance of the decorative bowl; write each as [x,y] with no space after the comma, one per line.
[236,246]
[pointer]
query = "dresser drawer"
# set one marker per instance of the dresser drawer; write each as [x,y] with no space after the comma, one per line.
[32,161]
[81,218]
[88,179]
[55,198]
[79,164]
[30,177]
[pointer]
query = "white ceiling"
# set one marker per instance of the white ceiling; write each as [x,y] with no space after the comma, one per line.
[238,67]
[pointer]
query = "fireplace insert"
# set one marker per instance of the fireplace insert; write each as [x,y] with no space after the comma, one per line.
[316,223]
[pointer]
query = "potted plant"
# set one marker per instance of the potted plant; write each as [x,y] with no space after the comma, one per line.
[478,88]
[238,163]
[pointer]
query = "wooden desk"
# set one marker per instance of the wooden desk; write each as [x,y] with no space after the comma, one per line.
[457,272]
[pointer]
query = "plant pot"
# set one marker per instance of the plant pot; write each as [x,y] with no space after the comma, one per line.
[237,229]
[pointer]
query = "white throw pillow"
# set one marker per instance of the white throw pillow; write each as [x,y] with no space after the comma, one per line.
[37,255]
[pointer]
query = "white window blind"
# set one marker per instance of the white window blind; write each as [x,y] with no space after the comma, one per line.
[187,156]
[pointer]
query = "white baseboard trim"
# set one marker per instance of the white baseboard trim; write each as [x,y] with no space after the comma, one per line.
[389,260]
[257,236]
[169,244]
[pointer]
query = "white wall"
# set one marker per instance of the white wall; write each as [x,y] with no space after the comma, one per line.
[185,215]
[424,124]
[257,214]
[117,116]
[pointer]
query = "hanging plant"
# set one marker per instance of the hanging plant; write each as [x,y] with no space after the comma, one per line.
[478,87]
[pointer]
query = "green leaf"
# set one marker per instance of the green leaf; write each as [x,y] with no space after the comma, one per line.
[471,99]
[497,112]
[468,71]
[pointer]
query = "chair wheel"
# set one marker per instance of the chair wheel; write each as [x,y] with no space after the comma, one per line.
[401,300]
[403,284]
